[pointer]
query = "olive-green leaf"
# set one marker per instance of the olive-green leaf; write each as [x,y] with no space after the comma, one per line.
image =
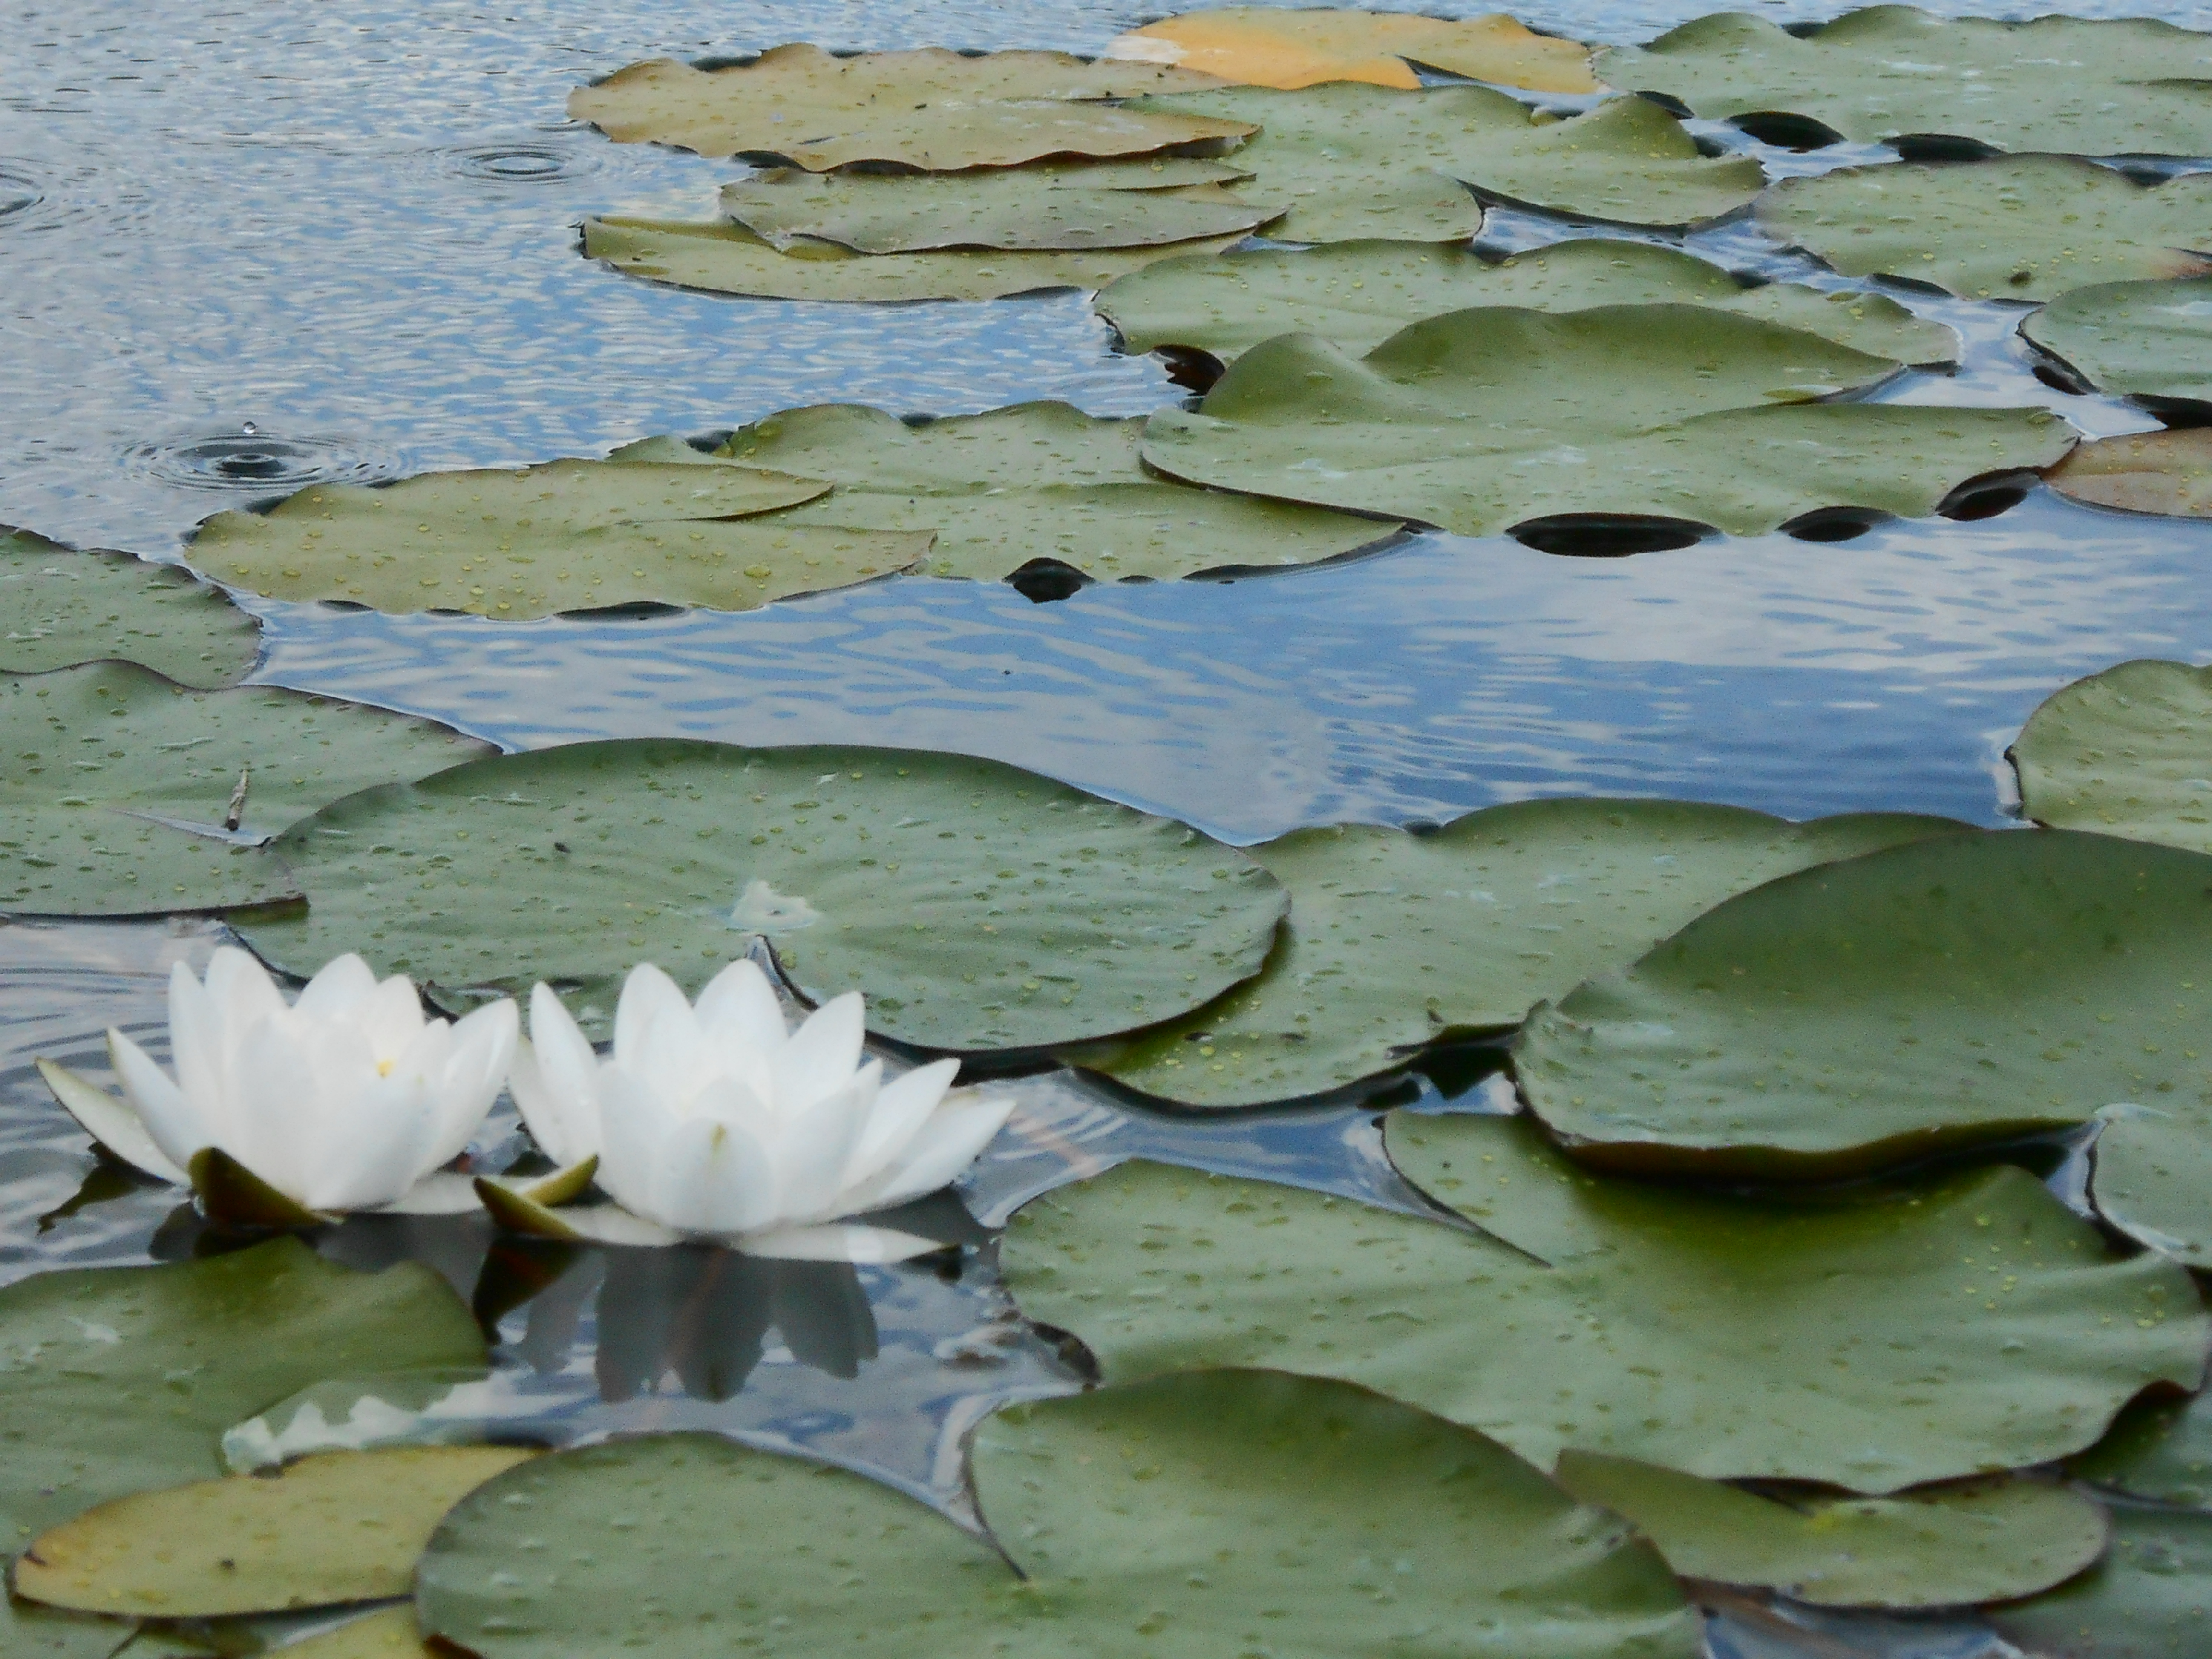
[2159,1450]
[1124,204]
[727,259]
[1206,1514]
[58,608]
[933,110]
[1481,419]
[1868,1013]
[112,768]
[2124,752]
[979,907]
[1396,939]
[2018,228]
[1033,481]
[1833,1341]
[341,1526]
[565,535]
[1357,294]
[1981,1540]
[2148,340]
[2150,1598]
[2163,472]
[2112,86]
[1355,161]
[116,1380]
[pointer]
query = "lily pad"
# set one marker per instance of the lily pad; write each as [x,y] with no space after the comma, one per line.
[1130,204]
[932,109]
[1264,47]
[115,1380]
[2019,228]
[343,1526]
[566,536]
[1358,294]
[1832,1341]
[58,608]
[1211,1513]
[2112,86]
[979,907]
[1033,481]
[1868,1012]
[390,1634]
[1984,1541]
[2159,1451]
[2147,340]
[2150,1598]
[2124,752]
[2163,472]
[1396,938]
[114,773]
[1356,162]
[1479,419]
[727,259]
[33,1632]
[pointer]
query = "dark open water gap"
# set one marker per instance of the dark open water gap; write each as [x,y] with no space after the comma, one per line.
[246,246]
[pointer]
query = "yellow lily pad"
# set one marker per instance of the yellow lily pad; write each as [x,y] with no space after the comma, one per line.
[390,1634]
[334,1528]
[2167,472]
[1266,47]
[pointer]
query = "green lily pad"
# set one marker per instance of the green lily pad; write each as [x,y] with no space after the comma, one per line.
[1031,481]
[108,760]
[342,1526]
[58,608]
[1982,1541]
[1128,204]
[1272,46]
[2151,1597]
[2112,87]
[1358,294]
[115,1380]
[1865,1013]
[33,1632]
[2019,228]
[1832,1341]
[727,259]
[2163,472]
[932,110]
[2147,340]
[566,536]
[979,907]
[1211,1514]
[1395,939]
[1479,419]
[2159,1451]
[2124,752]
[1356,161]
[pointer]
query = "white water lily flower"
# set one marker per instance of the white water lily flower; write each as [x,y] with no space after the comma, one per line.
[347,1099]
[715,1122]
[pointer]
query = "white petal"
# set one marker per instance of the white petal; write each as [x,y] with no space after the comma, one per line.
[633,1124]
[111,1122]
[610,1223]
[392,1016]
[837,1241]
[822,1055]
[366,1152]
[901,1107]
[275,1124]
[340,984]
[714,1178]
[814,1148]
[482,1049]
[646,994]
[743,1024]
[242,993]
[671,1054]
[948,1144]
[197,1047]
[168,1118]
[554,1078]
[443,1193]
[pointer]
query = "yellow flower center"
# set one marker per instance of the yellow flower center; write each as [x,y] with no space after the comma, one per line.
[384,1067]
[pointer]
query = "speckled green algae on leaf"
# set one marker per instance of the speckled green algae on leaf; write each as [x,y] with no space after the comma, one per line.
[1396,938]
[112,768]
[2147,340]
[979,907]
[59,607]
[1191,1518]
[1483,418]
[1893,1337]
[2126,751]
[1868,1013]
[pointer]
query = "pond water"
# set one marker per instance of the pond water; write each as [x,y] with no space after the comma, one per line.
[246,248]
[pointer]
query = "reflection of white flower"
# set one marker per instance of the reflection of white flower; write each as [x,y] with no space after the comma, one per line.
[344,1100]
[715,1122]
